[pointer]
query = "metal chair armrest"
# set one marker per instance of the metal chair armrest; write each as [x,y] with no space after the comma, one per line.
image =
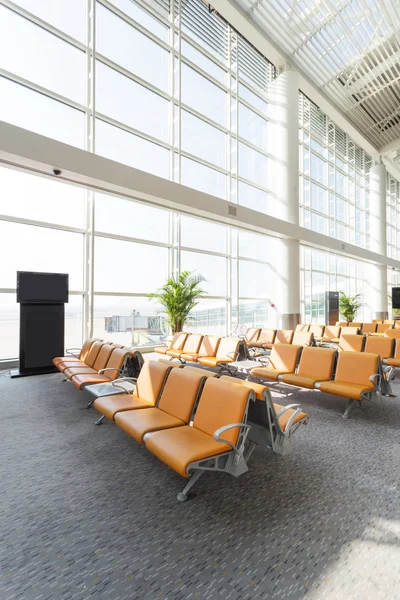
[376,379]
[218,432]
[109,369]
[70,351]
[122,380]
[297,410]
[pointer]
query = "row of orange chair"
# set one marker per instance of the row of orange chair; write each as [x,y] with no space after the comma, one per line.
[327,332]
[194,421]
[207,350]
[265,339]
[353,375]
[97,362]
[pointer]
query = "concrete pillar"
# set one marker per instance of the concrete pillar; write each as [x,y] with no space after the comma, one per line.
[378,297]
[378,209]
[283,173]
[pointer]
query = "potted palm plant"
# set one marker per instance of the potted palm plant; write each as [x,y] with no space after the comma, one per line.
[349,305]
[178,296]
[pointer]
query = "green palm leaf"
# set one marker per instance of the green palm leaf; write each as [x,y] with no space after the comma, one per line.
[349,306]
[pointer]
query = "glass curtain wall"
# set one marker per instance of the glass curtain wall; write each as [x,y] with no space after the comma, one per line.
[166,87]
[334,179]
[323,271]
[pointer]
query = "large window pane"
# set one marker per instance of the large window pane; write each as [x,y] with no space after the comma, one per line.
[67,15]
[73,322]
[131,219]
[126,101]
[129,267]
[208,317]
[254,279]
[252,245]
[195,88]
[204,235]
[128,47]
[9,326]
[202,178]
[253,198]
[132,321]
[212,268]
[253,313]
[29,197]
[206,64]
[203,140]
[143,17]
[131,150]
[36,112]
[252,127]
[39,56]
[30,248]
[253,165]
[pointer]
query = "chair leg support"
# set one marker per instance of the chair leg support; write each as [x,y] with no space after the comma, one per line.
[89,404]
[65,379]
[98,422]
[345,415]
[183,495]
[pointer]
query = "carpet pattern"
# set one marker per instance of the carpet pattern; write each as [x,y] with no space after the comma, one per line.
[88,513]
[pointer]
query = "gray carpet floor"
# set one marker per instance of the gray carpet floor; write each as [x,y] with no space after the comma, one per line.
[88,513]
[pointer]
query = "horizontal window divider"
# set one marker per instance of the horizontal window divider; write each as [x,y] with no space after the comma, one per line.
[41,90]
[44,25]
[125,295]
[125,238]
[204,163]
[209,252]
[146,84]
[256,148]
[203,73]
[252,299]
[34,223]
[217,61]
[251,107]
[132,130]
[200,116]
[255,185]
[131,21]
[254,260]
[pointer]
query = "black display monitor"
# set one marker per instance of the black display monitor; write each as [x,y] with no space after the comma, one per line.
[396,297]
[42,288]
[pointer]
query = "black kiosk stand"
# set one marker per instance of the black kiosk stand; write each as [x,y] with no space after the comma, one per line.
[41,331]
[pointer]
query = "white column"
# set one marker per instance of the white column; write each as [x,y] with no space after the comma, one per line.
[377,296]
[283,173]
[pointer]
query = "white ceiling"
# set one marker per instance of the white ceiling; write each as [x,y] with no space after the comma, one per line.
[350,49]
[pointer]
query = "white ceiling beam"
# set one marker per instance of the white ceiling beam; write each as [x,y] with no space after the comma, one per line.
[390,147]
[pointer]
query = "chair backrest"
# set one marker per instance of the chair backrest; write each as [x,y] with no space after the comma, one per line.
[257,388]
[377,321]
[103,356]
[284,357]
[192,343]
[302,327]
[379,345]
[151,379]
[228,347]
[209,345]
[116,360]
[368,328]
[349,331]
[317,362]
[397,349]
[267,336]
[252,334]
[86,347]
[302,338]
[204,372]
[355,324]
[394,334]
[93,352]
[340,323]
[351,343]
[382,327]
[317,330]
[389,321]
[284,336]
[221,403]
[178,340]
[332,331]
[180,393]
[356,367]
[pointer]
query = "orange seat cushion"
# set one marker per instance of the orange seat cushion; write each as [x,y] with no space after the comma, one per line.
[283,419]
[161,350]
[67,358]
[393,362]
[139,422]
[174,353]
[191,357]
[71,371]
[344,389]
[110,405]
[266,373]
[212,361]
[304,381]
[80,381]
[181,446]
[71,364]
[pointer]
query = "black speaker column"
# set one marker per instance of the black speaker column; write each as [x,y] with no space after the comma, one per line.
[331,308]
[41,329]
